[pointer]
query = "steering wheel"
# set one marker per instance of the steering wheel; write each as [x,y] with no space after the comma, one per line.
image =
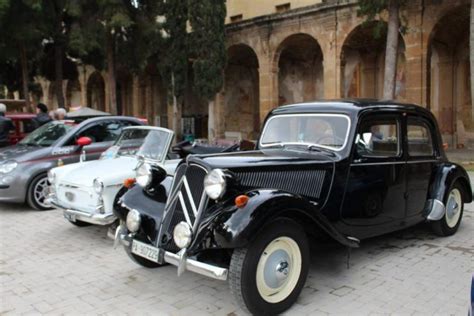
[333,139]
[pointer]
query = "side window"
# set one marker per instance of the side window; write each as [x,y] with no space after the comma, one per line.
[378,138]
[420,140]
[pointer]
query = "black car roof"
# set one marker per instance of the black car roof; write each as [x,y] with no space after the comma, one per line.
[349,106]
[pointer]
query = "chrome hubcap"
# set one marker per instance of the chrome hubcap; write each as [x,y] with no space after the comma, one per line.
[278,269]
[453,208]
[40,192]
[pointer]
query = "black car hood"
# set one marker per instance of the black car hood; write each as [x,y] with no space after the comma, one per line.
[269,157]
[21,153]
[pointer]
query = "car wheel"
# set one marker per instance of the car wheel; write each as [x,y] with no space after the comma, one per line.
[142,261]
[38,192]
[79,223]
[268,276]
[449,224]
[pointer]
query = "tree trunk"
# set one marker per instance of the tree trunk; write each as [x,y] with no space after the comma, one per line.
[176,126]
[471,57]
[112,83]
[24,76]
[391,51]
[211,121]
[58,74]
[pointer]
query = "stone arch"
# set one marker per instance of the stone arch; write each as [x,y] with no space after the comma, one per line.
[96,91]
[73,93]
[299,60]
[241,92]
[448,79]
[362,62]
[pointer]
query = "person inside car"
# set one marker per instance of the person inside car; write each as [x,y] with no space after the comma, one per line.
[42,116]
[6,125]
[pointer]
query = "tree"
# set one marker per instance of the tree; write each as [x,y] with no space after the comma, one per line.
[20,43]
[371,8]
[208,41]
[174,64]
[471,54]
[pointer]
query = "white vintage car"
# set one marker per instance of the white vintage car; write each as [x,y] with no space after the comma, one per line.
[86,191]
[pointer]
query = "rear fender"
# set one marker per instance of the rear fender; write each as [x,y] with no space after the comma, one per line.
[235,227]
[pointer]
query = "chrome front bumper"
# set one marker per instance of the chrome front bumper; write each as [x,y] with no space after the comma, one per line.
[177,259]
[76,215]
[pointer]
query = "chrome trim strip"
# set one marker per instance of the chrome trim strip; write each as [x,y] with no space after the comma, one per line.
[185,209]
[436,210]
[202,205]
[378,163]
[421,161]
[190,195]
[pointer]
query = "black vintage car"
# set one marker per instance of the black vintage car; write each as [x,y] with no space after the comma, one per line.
[347,170]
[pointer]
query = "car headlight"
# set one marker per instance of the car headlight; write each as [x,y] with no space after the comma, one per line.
[215,184]
[182,234]
[133,221]
[51,176]
[98,186]
[8,166]
[144,175]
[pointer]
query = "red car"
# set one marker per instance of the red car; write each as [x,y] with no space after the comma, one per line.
[23,126]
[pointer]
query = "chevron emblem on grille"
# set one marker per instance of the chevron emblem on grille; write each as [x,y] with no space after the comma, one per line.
[190,199]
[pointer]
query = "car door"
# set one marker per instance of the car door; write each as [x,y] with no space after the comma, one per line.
[421,152]
[376,183]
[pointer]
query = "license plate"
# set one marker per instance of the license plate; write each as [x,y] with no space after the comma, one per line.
[70,217]
[144,250]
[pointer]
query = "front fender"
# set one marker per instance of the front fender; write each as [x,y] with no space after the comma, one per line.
[444,176]
[234,227]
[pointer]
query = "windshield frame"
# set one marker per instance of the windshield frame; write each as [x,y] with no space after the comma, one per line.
[320,114]
[150,129]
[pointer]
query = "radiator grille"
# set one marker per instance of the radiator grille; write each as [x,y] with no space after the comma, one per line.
[303,182]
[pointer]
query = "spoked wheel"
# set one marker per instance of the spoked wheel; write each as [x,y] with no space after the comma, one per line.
[268,276]
[454,204]
[38,192]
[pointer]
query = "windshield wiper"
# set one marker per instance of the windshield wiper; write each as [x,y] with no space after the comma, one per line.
[315,147]
[275,144]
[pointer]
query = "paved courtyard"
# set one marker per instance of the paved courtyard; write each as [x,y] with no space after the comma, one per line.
[49,266]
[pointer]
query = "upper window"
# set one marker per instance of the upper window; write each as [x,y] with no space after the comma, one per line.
[420,140]
[378,138]
[321,130]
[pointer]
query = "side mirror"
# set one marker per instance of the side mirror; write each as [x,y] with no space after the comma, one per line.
[84,141]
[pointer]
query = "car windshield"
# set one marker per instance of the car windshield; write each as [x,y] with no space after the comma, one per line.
[47,134]
[148,143]
[320,130]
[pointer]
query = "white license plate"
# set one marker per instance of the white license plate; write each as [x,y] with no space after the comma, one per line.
[144,250]
[70,217]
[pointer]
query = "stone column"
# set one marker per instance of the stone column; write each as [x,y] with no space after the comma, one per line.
[268,81]
[135,96]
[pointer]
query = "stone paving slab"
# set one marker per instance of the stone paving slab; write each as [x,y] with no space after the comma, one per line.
[48,266]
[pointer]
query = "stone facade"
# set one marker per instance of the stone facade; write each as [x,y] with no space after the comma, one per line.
[310,52]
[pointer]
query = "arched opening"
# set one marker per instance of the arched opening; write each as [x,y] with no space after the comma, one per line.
[363,60]
[96,91]
[449,77]
[241,93]
[300,70]
[73,93]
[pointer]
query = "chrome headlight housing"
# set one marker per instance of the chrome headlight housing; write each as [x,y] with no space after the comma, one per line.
[8,166]
[182,234]
[133,221]
[51,177]
[215,184]
[98,186]
[144,175]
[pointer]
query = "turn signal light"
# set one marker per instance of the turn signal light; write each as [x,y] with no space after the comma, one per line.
[128,183]
[241,201]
